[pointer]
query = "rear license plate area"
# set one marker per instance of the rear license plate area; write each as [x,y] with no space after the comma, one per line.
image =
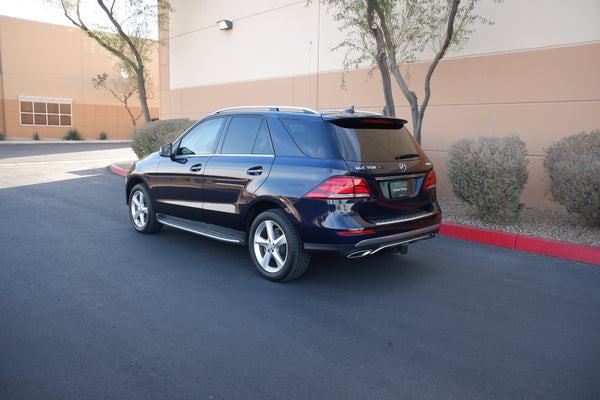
[395,189]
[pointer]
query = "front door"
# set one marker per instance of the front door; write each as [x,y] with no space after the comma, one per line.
[180,179]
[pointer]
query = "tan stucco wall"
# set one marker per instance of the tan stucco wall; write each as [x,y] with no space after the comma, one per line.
[55,61]
[541,95]
[533,73]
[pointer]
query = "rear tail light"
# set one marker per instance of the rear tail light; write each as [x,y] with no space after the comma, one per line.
[341,187]
[431,180]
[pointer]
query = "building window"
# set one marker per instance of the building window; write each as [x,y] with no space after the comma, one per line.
[48,111]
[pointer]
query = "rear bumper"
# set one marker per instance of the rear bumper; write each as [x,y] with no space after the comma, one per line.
[372,246]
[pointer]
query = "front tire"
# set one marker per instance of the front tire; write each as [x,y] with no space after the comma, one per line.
[275,247]
[141,210]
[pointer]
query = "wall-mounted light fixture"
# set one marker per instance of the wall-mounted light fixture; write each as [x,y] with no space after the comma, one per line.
[225,24]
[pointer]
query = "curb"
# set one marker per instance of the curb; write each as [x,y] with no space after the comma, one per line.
[118,170]
[514,241]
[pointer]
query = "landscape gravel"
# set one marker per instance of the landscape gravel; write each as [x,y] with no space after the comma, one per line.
[542,223]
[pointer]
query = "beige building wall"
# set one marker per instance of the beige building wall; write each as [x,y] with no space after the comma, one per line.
[52,61]
[534,72]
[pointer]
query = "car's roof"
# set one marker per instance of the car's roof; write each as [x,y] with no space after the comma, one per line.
[287,111]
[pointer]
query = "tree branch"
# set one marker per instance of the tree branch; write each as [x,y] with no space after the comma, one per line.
[440,54]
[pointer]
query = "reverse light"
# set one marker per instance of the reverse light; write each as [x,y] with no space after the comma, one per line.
[341,187]
[431,180]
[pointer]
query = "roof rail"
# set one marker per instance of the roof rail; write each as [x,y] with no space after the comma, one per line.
[270,108]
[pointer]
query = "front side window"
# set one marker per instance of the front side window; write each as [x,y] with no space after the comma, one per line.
[202,138]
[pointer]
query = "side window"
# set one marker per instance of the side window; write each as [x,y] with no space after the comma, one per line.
[312,137]
[262,144]
[241,135]
[202,139]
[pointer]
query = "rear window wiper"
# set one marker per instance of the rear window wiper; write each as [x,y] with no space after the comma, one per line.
[406,155]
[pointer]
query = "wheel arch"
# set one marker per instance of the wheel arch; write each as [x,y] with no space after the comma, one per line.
[131,182]
[262,204]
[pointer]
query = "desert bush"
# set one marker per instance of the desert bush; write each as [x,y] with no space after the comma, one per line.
[73,134]
[573,174]
[2,137]
[36,136]
[490,174]
[103,136]
[148,138]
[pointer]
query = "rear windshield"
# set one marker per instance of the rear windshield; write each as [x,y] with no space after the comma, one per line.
[374,144]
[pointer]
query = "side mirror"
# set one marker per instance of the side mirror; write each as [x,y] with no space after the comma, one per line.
[166,150]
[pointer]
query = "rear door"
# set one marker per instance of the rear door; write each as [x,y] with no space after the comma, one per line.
[382,151]
[241,166]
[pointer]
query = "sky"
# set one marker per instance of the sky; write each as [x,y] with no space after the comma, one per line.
[35,10]
[42,11]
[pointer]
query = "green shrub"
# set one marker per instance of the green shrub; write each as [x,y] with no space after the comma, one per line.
[148,138]
[73,134]
[36,136]
[573,174]
[490,174]
[103,136]
[2,136]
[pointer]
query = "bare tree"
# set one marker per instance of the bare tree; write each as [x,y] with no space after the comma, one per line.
[122,89]
[409,27]
[128,24]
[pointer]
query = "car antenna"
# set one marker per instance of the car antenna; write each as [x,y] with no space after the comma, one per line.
[350,110]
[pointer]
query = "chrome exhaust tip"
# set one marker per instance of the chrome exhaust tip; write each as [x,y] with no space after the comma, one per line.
[359,254]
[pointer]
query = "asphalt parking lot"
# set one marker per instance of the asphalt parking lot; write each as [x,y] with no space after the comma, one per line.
[91,309]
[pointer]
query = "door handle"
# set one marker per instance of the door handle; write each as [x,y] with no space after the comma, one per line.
[196,168]
[255,170]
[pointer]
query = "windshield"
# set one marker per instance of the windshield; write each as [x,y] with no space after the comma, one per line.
[374,144]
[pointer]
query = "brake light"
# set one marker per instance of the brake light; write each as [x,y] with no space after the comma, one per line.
[379,121]
[341,187]
[431,180]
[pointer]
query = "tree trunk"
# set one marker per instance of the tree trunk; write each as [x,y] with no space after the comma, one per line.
[382,62]
[440,54]
[142,96]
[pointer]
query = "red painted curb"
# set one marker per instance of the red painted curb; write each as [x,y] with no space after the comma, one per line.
[118,170]
[589,254]
[555,248]
[480,235]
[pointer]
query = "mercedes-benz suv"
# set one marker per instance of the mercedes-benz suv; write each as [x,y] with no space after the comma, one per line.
[288,182]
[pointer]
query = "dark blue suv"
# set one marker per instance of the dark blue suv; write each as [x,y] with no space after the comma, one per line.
[290,181]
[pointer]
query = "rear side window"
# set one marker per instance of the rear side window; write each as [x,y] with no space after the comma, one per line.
[247,135]
[312,137]
[373,144]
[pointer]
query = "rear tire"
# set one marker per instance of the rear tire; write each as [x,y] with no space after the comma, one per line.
[141,210]
[275,247]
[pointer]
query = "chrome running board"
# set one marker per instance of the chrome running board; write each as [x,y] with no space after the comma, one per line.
[203,229]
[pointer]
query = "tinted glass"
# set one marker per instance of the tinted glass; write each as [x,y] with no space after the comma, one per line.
[262,144]
[371,144]
[312,138]
[202,139]
[241,135]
